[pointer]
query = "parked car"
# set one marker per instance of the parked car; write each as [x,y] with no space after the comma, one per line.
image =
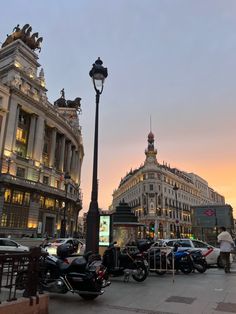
[211,253]
[77,246]
[10,246]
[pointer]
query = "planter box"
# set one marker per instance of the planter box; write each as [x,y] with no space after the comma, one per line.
[24,305]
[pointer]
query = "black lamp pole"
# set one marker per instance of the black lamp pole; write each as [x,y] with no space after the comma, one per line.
[175,188]
[98,75]
[63,225]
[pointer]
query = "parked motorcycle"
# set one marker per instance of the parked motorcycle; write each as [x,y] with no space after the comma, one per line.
[161,260]
[124,263]
[198,260]
[85,275]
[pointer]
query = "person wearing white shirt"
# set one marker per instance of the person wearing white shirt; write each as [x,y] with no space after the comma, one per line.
[226,244]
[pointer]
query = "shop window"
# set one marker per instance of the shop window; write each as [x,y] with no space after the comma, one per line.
[23,118]
[41,201]
[49,203]
[7,196]
[57,204]
[27,198]
[14,217]
[45,180]
[20,172]
[17,197]
[150,175]
[21,135]
[4,220]
[21,150]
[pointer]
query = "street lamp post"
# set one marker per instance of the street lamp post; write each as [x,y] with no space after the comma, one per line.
[63,224]
[175,188]
[98,74]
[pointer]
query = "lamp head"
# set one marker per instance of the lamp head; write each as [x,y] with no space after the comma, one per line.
[98,74]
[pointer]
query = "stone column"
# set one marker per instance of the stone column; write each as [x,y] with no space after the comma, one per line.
[68,157]
[13,118]
[53,147]
[39,139]
[62,153]
[31,136]
[76,167]
[167,230]
[80,159]
[72,165]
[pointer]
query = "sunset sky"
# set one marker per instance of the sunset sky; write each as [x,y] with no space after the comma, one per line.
[172,60]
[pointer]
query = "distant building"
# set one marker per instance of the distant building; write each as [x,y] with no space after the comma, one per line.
[40,142]
[207,219]
[162,197]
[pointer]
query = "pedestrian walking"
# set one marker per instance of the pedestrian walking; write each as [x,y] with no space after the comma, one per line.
[226,244]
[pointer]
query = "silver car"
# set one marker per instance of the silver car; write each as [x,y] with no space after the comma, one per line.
[77,246]
[10,246]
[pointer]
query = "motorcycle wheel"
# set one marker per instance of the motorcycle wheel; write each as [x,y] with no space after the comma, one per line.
[88,296]
[21,280]
[141,273]
[186,269]
[203,267]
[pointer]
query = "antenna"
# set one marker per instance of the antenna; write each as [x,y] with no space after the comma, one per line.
[150,123]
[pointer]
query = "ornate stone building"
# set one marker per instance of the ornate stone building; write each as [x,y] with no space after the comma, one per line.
[162,196]
[40,142]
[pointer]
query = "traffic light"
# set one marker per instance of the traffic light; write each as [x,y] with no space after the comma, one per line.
[152,228]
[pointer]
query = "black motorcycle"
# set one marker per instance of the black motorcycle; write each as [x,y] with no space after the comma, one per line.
[125,262]
[85,275]
[198,260]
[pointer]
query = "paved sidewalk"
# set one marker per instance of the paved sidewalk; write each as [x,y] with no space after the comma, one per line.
[211,292]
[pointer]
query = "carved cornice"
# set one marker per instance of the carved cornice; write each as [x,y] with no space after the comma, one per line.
[51,113]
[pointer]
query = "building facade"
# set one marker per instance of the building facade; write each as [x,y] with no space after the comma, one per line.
[40,142]
[207,220]
[162,196]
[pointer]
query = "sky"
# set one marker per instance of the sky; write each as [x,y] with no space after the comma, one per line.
[171,60]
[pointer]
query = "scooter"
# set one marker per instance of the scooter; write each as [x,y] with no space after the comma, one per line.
[124,263]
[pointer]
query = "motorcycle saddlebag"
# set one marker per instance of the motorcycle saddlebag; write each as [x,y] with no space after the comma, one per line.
[78,264]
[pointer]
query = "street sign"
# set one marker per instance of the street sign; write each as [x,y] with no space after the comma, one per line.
[209,212]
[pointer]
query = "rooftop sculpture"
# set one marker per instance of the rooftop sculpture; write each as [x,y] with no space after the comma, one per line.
[24,33]
[62,102]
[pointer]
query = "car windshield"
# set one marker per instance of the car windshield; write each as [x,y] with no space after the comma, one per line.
[58,241]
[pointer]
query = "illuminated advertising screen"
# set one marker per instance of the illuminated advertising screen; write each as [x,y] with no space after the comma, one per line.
[104,230]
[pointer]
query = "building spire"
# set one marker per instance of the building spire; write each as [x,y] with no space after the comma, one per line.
[151,152]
